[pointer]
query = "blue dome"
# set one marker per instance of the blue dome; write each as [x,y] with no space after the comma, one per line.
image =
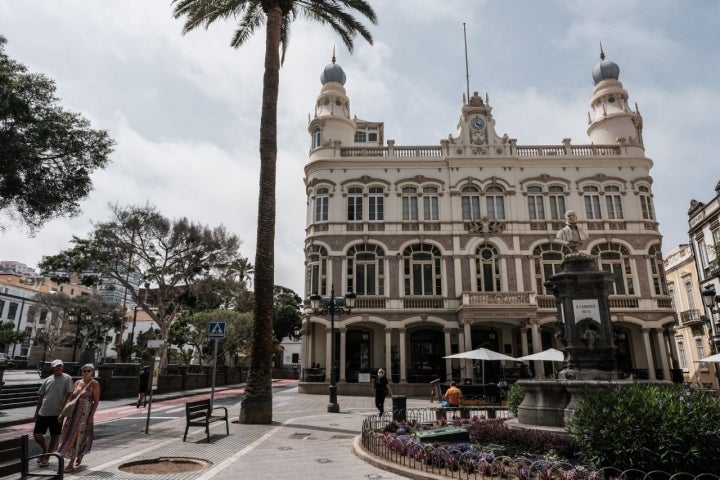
[605,70]
[333,73]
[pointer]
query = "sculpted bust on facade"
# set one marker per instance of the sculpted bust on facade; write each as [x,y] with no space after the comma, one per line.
[571,232]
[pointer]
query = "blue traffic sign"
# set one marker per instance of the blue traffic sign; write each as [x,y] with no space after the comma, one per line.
[217,330]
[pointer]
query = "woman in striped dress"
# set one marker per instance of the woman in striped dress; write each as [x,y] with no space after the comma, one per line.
[78,432]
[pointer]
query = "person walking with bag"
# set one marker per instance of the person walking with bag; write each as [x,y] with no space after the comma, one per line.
[381,387]
[143,380]
[52,396]
[78,432]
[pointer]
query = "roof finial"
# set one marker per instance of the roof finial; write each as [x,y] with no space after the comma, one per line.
[602,54]
[333,57]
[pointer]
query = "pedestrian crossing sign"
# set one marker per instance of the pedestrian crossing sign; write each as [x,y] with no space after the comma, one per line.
[217,330]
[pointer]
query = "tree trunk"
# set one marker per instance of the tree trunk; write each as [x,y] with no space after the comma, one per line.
[256,407]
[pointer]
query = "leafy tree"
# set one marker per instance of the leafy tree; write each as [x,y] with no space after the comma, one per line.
[277,16]
[193,330]
[47,154]
[169,255]
[91,316]
[50,320]
[287,313]
[8,334]
[238,338]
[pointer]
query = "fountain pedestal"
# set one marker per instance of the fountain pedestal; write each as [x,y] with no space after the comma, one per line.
[584,331]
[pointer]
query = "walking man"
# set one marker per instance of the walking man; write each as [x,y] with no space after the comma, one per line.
[52,395]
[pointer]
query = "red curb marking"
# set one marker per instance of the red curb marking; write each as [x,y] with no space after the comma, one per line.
[124,411]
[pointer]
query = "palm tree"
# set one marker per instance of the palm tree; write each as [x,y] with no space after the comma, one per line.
[277,16]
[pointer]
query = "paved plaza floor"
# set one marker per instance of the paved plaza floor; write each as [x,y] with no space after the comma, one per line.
[304,441]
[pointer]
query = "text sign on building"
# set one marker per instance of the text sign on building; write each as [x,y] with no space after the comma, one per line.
[156,343]
[585,309]
[217,330]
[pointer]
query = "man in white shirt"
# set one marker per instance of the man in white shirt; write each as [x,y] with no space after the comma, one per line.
[54,392]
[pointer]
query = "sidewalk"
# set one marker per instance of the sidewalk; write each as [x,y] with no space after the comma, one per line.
[304,441]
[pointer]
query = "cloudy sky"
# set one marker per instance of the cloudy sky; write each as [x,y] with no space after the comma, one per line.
[185,109]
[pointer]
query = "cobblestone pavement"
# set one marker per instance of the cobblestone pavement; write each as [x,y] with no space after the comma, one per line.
[303,441]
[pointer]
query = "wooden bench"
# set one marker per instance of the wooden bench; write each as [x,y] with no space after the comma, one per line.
[199,414]
[15,459]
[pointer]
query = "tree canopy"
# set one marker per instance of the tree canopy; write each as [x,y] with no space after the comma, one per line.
[287,313]
[47,154]
[139,242]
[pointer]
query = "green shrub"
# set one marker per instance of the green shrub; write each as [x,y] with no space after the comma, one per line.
[648,427]
[515,397]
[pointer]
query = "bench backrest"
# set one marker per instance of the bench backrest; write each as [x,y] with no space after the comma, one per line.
[12,453]
[200,408]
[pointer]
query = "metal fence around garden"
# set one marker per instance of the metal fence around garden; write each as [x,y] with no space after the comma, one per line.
[463,462]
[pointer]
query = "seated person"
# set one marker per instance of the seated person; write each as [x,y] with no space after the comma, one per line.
[453,395]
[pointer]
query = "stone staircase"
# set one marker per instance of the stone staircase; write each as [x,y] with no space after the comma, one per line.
[15,396]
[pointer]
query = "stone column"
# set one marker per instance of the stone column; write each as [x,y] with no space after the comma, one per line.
[468,346]
[403,361]
[537,347]
[388,354]
[448,349]
[648,353]
[343,335]
[663,354]
[523,341]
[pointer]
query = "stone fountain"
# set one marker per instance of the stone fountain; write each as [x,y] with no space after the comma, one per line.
[584,331]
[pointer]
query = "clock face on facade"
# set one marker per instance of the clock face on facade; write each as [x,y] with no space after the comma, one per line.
[477,123]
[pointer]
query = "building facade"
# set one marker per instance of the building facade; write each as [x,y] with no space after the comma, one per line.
[704,232]
[19,304]
[691,333]
[448,246]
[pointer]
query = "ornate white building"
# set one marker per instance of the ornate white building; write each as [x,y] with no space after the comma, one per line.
[448,246]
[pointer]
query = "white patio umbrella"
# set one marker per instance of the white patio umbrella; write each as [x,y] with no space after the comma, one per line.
[551,355]
[711,358]
[482,354]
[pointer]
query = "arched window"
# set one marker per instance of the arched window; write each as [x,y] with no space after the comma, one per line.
[591,195]
[657,270]
[615,258]
[317,258]
[536,203]
[376,204]
[556,198]
[422,270]
[470,203]
[495,201]
[316,137]
[409,203]
[355,204]
[547,259]
[322,197]
[646,203]
[366,270]
[430,203]
[487,268]
[613,202]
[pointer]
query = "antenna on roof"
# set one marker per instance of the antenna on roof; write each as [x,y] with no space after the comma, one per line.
[467,72]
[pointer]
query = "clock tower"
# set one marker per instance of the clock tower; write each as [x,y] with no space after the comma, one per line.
[477,127]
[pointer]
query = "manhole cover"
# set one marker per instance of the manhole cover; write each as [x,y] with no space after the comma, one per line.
[165,465]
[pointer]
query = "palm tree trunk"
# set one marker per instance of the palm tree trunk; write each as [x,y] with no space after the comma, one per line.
[256,407]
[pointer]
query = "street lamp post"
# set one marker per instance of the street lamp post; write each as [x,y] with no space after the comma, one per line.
[332,306]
